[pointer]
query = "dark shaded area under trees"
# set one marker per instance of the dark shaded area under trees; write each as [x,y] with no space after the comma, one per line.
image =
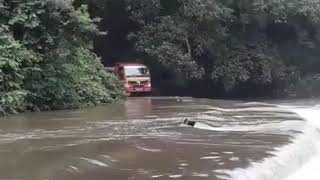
[235,48]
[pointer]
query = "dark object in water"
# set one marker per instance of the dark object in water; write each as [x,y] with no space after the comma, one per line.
[189,123]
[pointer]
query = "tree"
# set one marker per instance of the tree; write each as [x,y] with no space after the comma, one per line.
[48,48]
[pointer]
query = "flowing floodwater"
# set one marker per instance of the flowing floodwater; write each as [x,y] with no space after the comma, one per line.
[145,138]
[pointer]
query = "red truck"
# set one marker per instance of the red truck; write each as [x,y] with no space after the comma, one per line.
[135,76]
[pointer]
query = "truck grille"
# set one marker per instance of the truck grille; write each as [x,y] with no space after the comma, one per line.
[137,83]
[138,86]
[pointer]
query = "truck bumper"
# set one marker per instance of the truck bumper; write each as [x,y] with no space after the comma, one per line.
[138,90]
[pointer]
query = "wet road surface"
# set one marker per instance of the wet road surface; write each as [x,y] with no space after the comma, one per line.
[142,139]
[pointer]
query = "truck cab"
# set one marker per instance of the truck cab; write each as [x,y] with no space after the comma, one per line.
[135,76]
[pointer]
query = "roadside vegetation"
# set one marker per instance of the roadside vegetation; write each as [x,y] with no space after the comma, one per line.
[46,62]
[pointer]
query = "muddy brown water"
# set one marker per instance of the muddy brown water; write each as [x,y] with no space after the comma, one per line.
[143,138]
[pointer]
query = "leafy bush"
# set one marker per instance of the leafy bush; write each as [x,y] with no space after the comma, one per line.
[73,80]
[16,63]
[46,60]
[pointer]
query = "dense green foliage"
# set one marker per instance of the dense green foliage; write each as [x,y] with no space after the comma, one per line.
[46,60]
[234,44]
[16,63]
[265,47]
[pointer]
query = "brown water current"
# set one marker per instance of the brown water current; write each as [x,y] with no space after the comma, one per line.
[143,138]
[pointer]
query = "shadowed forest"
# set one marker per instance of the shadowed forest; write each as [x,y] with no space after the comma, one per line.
[228,48]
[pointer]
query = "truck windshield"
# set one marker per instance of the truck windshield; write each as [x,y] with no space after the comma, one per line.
[136,71]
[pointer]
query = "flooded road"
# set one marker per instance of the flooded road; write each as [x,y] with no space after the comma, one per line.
[145,138]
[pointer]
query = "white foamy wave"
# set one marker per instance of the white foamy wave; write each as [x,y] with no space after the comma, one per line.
[95,162]
[149,149]
[200,174]
[289,159]
[310,170]
[246,109]
[283,127]
[265,119]
[175,176]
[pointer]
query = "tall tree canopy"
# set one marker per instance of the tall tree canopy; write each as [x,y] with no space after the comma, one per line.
[234,43]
